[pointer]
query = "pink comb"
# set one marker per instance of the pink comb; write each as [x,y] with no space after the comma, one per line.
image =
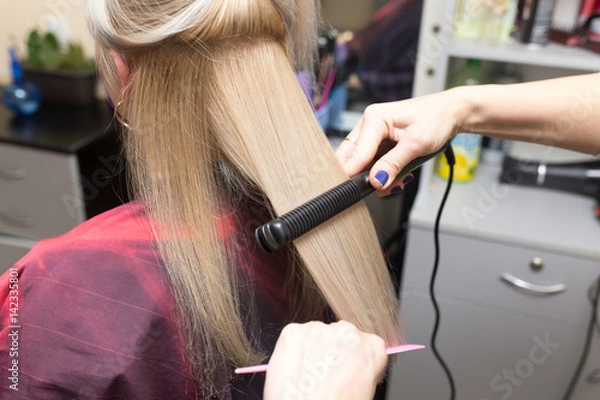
[390,350]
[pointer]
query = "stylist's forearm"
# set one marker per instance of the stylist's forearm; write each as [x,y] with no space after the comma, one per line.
[561,112]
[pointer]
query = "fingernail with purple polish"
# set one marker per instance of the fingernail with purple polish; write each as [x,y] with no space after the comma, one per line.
[381,177]
[408,179]
[396,190]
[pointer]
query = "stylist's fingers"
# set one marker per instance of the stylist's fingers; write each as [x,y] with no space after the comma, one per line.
[379,356]
[397,186]
[384,172]
[390,135]
[361,145]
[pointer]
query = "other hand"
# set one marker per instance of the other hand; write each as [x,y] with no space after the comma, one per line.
[319,361]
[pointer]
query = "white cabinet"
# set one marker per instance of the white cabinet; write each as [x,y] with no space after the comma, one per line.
[41,195]
[499,341]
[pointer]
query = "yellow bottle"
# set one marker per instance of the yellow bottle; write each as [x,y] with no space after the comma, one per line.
[466,146]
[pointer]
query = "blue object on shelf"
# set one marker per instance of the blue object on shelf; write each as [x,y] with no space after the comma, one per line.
[338,100]
[22,97]
[330,114]
[322,115]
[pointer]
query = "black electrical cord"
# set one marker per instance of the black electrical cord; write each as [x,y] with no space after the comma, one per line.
[591,299]
[436,234]
[588,342]
[594,376]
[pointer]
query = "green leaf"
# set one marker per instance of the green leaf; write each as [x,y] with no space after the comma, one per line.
[44,52]
[51,42]
[74,59]
[34,43]
[50,59]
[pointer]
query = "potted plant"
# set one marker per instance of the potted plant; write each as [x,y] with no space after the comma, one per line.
[62,75]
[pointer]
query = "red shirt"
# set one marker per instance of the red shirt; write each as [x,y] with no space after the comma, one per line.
[95,315]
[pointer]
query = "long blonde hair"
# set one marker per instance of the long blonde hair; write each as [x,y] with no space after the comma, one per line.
[213,98]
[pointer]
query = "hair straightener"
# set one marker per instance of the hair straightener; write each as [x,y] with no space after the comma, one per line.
[281,231]
[290,226]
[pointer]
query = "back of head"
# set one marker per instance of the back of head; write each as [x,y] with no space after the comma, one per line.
[213,98]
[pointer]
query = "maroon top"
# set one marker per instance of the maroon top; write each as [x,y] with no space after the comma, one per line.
[94,318]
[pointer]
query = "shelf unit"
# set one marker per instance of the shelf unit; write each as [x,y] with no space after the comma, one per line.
[489,230]
[551,55]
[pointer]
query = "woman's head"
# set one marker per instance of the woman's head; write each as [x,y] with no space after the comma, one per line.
[213,101]
[130,27]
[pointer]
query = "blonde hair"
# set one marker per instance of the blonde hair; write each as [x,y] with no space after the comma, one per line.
[213,98]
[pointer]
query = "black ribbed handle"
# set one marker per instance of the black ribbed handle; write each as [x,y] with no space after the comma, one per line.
[290,226]
[321,208]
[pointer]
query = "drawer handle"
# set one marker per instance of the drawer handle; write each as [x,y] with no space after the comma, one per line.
[18,220]
[532,287]
[12,174]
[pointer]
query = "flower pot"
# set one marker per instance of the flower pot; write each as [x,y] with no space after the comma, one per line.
[66,87]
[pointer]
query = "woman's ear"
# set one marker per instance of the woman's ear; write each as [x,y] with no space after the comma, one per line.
[122,68]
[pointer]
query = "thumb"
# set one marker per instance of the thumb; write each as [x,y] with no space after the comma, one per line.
[386,169]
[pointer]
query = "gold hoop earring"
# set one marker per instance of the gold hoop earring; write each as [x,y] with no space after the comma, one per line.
[119,117]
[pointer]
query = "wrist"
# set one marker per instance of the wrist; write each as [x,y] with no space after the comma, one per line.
[467,111]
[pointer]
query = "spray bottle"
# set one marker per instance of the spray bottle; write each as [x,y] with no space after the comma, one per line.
[22,97]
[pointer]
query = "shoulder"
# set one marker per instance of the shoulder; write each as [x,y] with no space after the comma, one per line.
[110,259]
[122,227]
[95,303]
[116,241]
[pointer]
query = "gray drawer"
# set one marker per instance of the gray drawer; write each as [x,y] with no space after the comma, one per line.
[470,271]
[12,250]
[39,192]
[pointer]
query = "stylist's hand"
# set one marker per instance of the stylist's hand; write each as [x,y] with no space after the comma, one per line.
[393,134]
[318,361]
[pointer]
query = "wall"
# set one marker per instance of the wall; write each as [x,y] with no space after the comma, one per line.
[349,14]
[19,16]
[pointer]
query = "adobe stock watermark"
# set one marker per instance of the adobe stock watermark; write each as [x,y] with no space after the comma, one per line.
[60,10]
[506,383]
[436,45]
[490,196]
[487,202]
[55,18]
[13,328]
[316,372]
